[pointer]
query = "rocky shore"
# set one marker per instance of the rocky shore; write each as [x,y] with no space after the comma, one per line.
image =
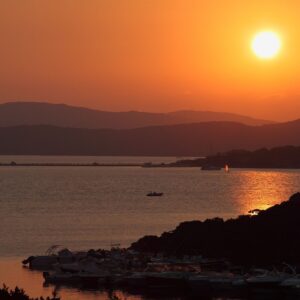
[213,257]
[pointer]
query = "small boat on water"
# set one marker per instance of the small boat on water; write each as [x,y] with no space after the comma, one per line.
[154,194]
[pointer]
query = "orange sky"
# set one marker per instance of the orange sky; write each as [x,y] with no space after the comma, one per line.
[151,55]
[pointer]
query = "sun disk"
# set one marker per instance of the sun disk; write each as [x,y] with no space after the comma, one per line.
[266,44]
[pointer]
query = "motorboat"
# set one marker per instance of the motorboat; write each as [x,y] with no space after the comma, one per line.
[52,256]
[267,280]
[154,194]
[60,278]
[214,282]
[224,281]
[291,282]
[41,262]
[291,286]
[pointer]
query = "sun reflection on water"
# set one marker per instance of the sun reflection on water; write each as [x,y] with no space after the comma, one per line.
[262,189]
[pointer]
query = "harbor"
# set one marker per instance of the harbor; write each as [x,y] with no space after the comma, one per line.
[170,276]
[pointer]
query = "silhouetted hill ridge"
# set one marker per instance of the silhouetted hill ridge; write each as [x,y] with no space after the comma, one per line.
[39,113]
[198,139]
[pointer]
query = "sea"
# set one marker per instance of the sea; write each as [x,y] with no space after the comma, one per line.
[96,207]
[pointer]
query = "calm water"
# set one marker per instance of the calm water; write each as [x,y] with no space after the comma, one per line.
[88,207]
[86,159]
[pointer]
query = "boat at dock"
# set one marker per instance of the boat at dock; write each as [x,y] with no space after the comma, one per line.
[54,255]
[215,282]
[167,280]
[267,280]
[58,278]
[291,287]
[146,273]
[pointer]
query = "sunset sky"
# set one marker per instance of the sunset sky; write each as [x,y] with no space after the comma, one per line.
[151,55]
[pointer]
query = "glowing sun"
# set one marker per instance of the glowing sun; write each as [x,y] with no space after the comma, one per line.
[266,44]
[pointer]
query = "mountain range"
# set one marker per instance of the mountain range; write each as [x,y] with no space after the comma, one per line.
[37,113]
[58,129]
[198,139]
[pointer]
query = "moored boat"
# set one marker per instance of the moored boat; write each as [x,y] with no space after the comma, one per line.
[41,262]
[268,283]
[60,278]
[226,281]
[166,280]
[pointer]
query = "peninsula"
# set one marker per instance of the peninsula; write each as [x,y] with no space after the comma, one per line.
[287,157]
[265,239]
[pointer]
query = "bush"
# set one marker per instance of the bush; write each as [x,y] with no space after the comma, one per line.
[19,294]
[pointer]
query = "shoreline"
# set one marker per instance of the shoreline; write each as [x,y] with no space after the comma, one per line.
[142,165]
[157,262]
[14,164]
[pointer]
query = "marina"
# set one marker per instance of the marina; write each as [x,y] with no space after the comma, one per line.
[137,273]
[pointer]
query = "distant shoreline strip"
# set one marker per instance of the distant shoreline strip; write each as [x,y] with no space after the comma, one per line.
[14,164]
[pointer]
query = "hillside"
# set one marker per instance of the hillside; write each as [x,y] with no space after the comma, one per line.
[269,238]
[34,113]
[198,139]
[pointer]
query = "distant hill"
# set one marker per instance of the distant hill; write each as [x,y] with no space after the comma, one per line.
[34,113]
[284,157]
[197,139]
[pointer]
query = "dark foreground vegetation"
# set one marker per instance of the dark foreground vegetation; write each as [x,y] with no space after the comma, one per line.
[19,294]
[280,157]
[271,237]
